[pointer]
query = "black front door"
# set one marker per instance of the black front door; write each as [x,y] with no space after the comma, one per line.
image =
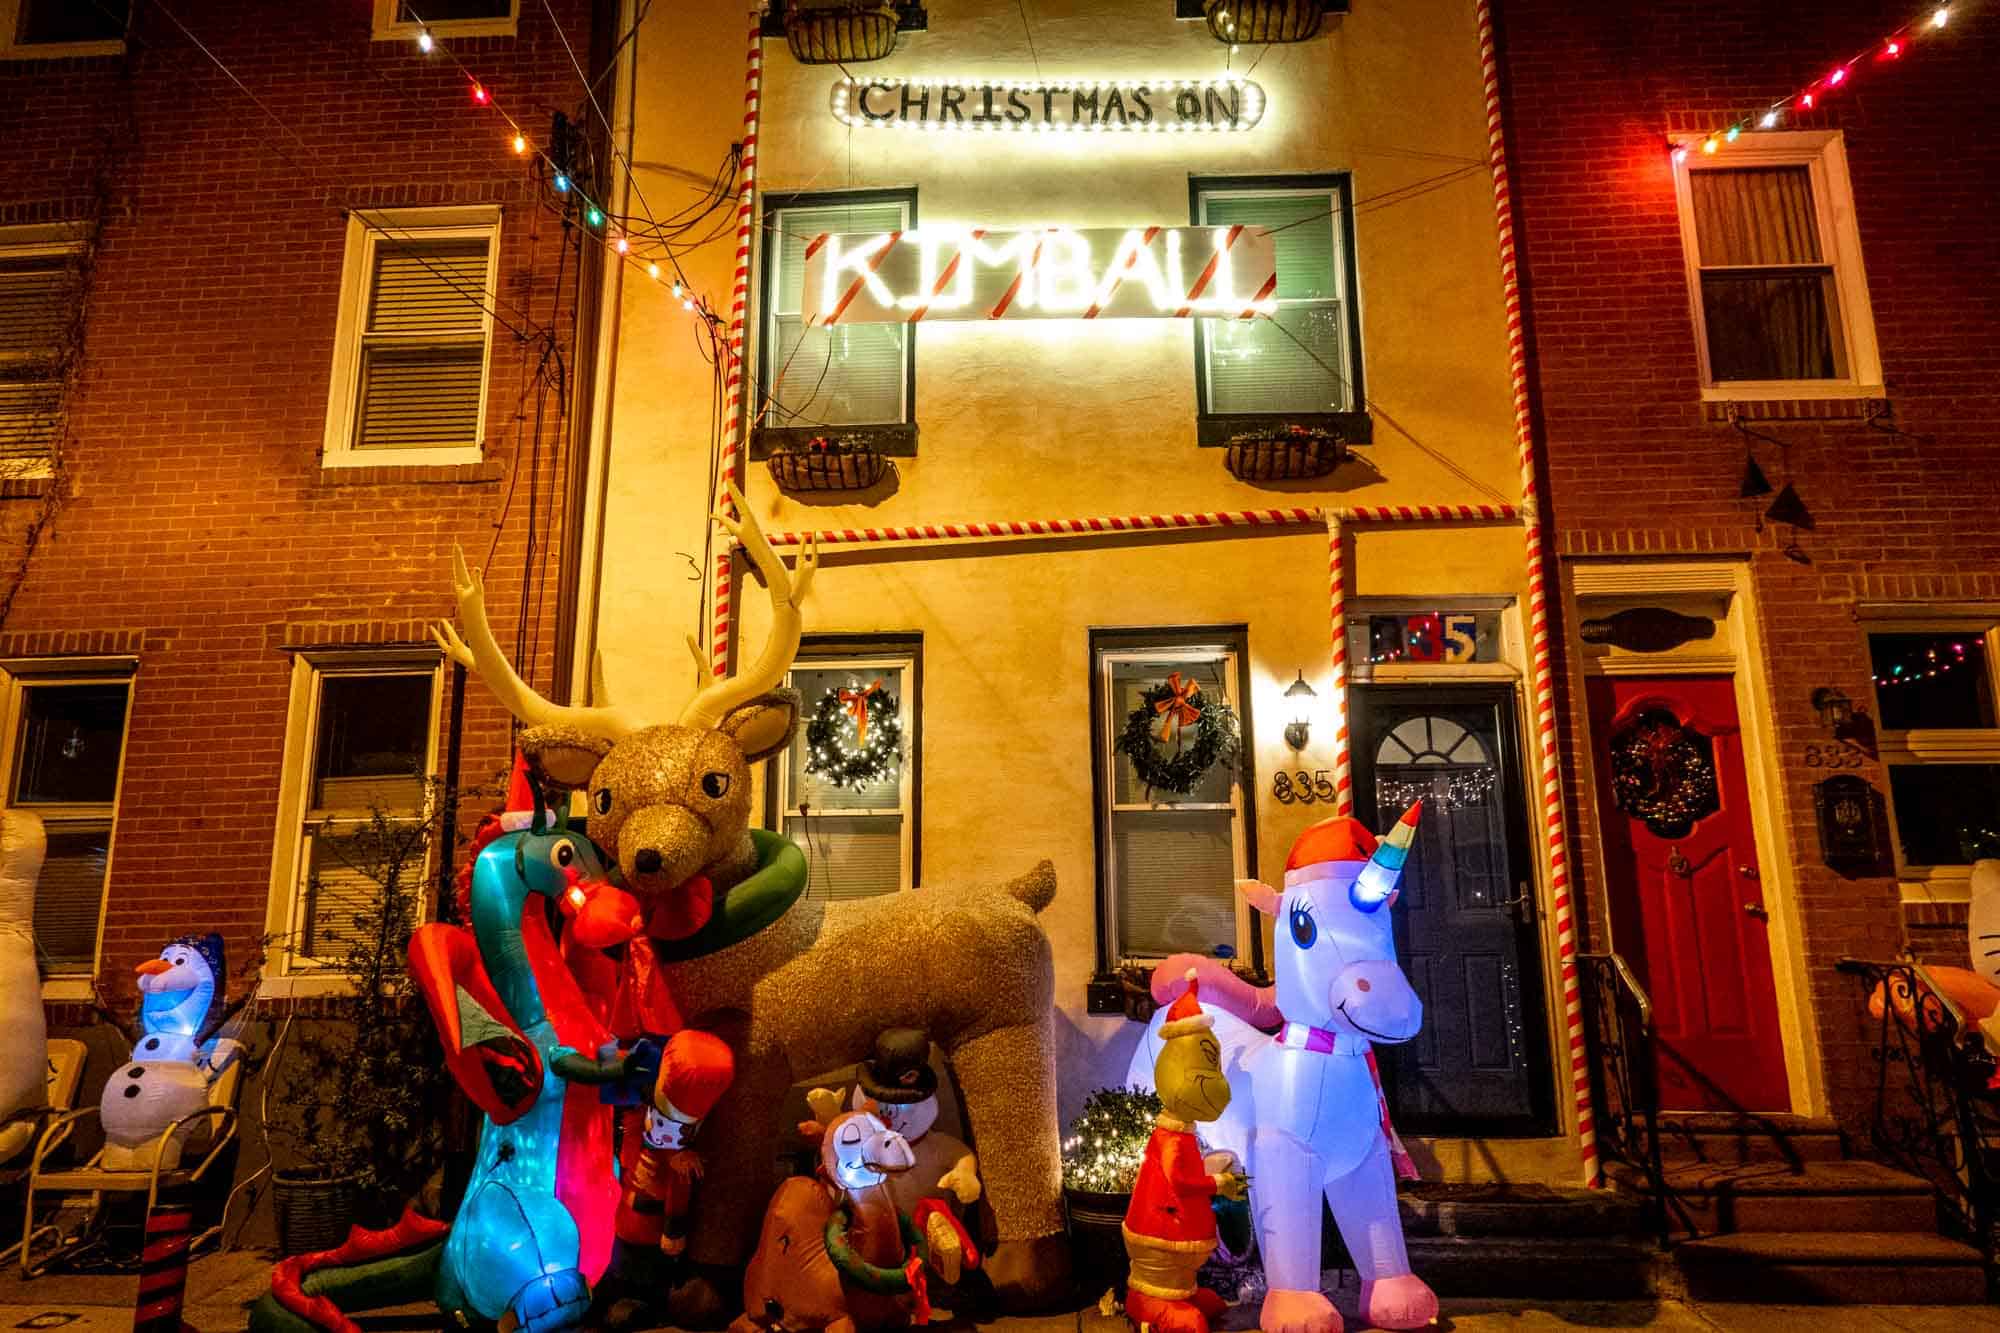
[1465,922]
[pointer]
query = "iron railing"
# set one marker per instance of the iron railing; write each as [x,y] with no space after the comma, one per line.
[1618,1035]
[1936,1114]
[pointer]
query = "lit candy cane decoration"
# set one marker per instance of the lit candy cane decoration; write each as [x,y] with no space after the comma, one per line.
[1336,575]
[739,303]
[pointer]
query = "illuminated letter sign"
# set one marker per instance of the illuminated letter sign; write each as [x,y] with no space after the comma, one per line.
[1053,273]
[999,106]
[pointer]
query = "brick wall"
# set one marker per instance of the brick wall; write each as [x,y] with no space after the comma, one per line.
[1635,463]
[197,528]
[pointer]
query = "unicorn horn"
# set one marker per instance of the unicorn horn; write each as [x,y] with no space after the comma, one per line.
[1377,882]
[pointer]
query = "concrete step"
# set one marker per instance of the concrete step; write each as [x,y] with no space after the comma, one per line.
[1708,1136]
[1832,1267]
[1535,1267]
[1534,1211]
[1710,1200]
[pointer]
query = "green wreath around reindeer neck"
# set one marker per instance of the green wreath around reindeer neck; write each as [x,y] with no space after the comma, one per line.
[872,1277]
[830,753]
[1216,739]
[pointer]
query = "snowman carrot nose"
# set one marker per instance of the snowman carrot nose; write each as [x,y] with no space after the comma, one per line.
[152,967]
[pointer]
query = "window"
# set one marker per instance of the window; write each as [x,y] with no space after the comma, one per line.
[1168,863]
[860,840]
[850,375]
[42,29]
[41,294]
[409,367]
[1303,360]
[1940,738]
[356,805]
[1774,268]
[67,748]
[403,19]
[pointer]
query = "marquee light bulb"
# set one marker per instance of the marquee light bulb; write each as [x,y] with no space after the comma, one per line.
[479,94]
[1942,17]
[1893,49]
[677,289]
[520,143]
[594,217]
[1710,144]
[1770,119]
[1680,154]
[622,246]
[1834,79]
[1806,101]
[653,272]
[1734,130]
[424,42]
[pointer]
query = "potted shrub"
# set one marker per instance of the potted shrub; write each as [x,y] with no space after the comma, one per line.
[1285,453]
[1262,21]
[365,1098]
[835,32]
[1100,1160]
[828,463]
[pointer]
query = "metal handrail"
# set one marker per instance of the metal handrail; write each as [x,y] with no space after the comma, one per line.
[1620,1044]
[1630,982]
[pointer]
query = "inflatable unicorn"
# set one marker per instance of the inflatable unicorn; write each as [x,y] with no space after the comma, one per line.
[1303,1115]
[172,1066]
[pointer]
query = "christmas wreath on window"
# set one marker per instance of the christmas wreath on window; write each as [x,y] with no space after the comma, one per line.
[855,736]
[1177,734]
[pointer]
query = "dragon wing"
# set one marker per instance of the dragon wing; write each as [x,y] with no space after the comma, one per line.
[486,1051]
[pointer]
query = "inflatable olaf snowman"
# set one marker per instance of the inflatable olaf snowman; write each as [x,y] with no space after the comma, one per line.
[171,1069]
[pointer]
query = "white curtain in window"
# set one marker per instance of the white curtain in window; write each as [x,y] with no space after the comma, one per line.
[1767,293]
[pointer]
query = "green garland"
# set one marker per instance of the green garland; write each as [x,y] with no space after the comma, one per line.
[1216,740]
[872,1277]
[830,738]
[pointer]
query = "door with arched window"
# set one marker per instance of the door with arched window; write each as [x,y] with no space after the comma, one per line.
[1465,928]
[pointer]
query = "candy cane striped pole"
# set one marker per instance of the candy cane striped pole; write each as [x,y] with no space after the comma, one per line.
[736,421]
[1554,818]
[1336,577]
[1092,527]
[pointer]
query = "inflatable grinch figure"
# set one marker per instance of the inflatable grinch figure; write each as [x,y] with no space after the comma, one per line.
[1170,1224]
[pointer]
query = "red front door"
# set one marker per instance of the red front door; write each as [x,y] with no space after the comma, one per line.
[1687,906]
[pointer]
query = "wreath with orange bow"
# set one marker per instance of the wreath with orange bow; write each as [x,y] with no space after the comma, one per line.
[855,736]
[1177,734]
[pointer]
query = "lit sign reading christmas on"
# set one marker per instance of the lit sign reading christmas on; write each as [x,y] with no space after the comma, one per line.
[1005,106]
[1045,273]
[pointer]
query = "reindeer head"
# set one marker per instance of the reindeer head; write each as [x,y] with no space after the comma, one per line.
[669,802]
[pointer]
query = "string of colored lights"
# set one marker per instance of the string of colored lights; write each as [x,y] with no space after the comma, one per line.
[1889,48]
[1931,665]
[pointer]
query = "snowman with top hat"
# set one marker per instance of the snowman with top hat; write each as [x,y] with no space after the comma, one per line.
[172,1066]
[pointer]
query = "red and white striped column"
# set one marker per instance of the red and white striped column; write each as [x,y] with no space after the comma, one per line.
[1554,819]
[735,420]
[1336,577]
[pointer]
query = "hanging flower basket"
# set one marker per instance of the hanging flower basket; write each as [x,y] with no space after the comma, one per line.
[1260,21]
[837,34]
[827,463]
[1288,454]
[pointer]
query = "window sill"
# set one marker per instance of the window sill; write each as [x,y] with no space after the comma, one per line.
[1215,430]
[1936,884]
[475,472]
[68,990]
[407,32]
[24,488]
[1792,402]
[306,986]
[61,50]
[891,440]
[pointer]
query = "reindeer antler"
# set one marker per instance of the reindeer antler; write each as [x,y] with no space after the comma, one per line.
[788,592]
[479,652]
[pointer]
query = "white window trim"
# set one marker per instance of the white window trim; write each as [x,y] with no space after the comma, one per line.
[284,975]
[388,28]
[474,222]
[765,412]
[1962,745]
[40,241]
[1825,155]
[1111,722]
[10,49]
[19,675]
[906,714]
[1336,222]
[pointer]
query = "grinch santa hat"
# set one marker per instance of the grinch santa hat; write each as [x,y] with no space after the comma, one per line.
[1184,1016]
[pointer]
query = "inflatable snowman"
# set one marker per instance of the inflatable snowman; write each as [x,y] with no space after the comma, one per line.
[24,1056]
[171,1069]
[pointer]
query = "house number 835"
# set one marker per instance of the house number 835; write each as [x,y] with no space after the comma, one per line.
[1303,787]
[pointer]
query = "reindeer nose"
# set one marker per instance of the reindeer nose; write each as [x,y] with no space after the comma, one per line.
[646,861]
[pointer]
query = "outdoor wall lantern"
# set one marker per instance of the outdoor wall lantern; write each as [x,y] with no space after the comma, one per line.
[1835,709]
[1299,698]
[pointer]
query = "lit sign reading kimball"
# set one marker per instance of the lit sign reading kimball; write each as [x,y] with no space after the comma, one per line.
[1004,106]
[1044,273]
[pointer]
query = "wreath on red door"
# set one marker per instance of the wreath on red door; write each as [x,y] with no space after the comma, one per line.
[1663,773]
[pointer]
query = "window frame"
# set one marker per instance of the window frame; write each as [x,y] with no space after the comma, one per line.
[388,28]
[1922,746]
[364,238]
[1214,428]
[60,240]
[895,438]
[864,653]
[287,972]
[12,48]
[1824,154]
[21,675]
[1108,647]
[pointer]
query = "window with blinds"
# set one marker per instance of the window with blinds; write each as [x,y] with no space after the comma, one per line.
[39,295]
[849,375]
[423,345]
[1773,263]
[1167,863]
[366,803]
[859,840]
[68,745]
[1301,359]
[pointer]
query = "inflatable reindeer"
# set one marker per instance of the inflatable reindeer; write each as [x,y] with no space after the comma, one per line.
[1303,1114]
[799,986]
